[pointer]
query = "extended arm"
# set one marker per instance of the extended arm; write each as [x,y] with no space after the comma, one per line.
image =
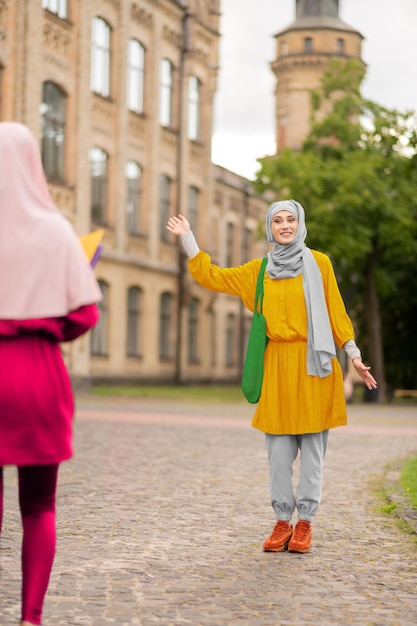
[179,225]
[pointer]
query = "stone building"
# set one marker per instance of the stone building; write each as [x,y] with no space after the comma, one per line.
[303,50]
[120,94]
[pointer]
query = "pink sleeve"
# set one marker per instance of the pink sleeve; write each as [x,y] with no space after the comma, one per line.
[59,329]
[79,322]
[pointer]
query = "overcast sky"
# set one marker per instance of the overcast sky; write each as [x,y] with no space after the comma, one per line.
[244,126]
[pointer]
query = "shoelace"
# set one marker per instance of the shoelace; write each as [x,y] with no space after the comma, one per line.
[301,532]
[279,530]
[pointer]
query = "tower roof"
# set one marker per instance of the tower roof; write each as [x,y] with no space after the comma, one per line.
[318,14]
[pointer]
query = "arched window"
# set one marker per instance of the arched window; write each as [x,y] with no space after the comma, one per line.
[308,45]
[59,7]
[194,103]
[99,183]
[166,96]
[135,75]
[100,57]
[134,315]
[133,174]
[53,111]
[340,46]
[193,313]
[165,326]
[99,334]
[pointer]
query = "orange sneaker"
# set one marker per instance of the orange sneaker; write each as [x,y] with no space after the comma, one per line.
[279,538]
[301,539]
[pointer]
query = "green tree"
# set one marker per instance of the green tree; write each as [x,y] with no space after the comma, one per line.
[356,175]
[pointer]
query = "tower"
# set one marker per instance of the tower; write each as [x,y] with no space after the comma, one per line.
[303,50]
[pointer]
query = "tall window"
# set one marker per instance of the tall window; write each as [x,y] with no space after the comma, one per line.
[164,205]
[133,179]
[165,326]
[166,96]
[99,184]
[135,75]
[193,195]
[134,306]
[247,243]
[99,334]
[230,244]
[308,44]
[340,46]
[193,309]
[230,340]
[100,57]
[194,104]
[59,7]
[53,110]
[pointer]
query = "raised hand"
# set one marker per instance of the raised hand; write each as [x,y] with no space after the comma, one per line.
[178,225]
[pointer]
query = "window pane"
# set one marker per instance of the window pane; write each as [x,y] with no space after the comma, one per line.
[135,76]
[59,7]
[99,334]
[100,57]
[230,340]
[312,7]
[165,206]
[308,44]
[133,181]
[193,330]
[230,244]
[165,323]
[193,108]
[193,195]
[166,93]
[98,172]
[53,113]
[133,321]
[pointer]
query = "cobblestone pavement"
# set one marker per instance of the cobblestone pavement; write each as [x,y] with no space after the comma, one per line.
[163,511]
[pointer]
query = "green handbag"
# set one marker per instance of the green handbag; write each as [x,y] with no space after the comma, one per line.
[253,369]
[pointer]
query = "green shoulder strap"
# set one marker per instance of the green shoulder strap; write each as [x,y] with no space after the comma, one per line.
[259,295]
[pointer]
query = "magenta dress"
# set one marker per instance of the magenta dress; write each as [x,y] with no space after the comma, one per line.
[36,400]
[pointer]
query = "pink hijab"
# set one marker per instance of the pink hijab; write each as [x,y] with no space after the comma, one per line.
[44,271]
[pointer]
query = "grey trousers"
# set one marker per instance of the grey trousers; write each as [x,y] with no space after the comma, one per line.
[282,452]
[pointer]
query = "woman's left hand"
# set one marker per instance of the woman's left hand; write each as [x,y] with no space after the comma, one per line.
[364,372]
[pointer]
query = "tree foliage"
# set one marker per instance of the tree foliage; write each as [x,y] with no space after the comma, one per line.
[356,175]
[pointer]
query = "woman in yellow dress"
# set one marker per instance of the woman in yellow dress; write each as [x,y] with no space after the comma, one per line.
[302,393]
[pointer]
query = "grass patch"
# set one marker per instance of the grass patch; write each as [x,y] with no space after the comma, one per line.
[386,505]
[391,500]
[220,393]
[408,480]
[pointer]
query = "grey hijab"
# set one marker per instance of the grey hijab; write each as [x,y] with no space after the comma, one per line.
[293,259]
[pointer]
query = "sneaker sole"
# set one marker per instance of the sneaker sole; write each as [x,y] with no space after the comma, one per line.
[282,549]
[299,551]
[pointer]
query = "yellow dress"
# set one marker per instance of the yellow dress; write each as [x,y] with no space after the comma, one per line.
[291,402]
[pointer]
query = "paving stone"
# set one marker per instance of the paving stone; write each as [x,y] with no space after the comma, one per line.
[163,511]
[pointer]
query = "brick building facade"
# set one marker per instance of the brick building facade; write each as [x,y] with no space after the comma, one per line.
[120,94]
